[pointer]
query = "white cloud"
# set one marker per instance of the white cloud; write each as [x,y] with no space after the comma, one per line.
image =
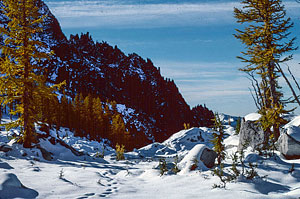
[201,82]
[121,14]
[93,13]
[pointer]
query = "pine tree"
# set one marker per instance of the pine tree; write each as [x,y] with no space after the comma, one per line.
[266,40]
[238,126]
[218,138]
[21,80]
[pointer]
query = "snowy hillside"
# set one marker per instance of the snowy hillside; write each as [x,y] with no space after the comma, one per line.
[24,173]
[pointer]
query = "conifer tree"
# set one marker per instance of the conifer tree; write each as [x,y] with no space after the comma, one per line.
[218,138]
[21,78]
[266,41]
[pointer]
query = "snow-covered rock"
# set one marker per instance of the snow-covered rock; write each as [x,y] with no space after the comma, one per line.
[179,143]
[251,134]
[252,117]
[11,187]
[289,142]
[293,122]
[199,157]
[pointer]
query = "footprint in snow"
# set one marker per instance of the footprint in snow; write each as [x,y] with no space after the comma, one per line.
[110,184]
[87,195]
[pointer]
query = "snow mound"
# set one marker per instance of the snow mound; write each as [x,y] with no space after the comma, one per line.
[186,164]
[294,132]
[89,147]
[293,128]
[294,122]
[179,143]
[252,117]
[11,187]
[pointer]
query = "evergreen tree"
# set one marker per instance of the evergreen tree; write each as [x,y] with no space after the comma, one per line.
[21,78]
[238,126]
[266,41]
[218,138]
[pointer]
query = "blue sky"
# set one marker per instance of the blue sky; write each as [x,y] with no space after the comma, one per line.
[190,40]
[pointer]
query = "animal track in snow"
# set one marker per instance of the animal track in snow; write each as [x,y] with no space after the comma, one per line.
[108,182]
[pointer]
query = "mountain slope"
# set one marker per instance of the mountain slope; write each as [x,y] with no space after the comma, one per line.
[100,70]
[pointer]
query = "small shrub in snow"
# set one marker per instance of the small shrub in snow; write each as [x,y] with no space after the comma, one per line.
[195,164]
[251,172]
[219,171]
[234,170]
[175,168]
[61,174]
[120,152]
[100,154]
[292,169]
[163,166]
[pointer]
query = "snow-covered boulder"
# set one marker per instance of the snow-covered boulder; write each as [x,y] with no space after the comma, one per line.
[179,143]
[199,157]
[251,133]
[252,117]
[289,142]
[11,187]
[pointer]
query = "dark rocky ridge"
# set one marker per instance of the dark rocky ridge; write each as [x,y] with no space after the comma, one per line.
[99,69]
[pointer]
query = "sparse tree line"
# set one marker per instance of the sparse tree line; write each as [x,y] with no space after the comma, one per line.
[85,116]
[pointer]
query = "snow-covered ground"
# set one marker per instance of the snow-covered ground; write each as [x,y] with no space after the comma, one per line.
[24,173]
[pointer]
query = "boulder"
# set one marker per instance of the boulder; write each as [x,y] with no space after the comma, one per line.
[208,157]
[289,142]
[199,157]
[251,134]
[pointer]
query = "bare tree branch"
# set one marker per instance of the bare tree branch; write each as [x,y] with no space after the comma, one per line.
[259,97]
[288,82]
[293,75]
[255,101]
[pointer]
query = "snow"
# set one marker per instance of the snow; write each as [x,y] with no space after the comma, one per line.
[186,163]
[293,122]
[252,117]
[293,128]
[179,143]
[25,174]
[11,187]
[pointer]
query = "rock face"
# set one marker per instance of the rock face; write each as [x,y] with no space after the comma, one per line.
[102,70]
[289,142]
[251,134]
